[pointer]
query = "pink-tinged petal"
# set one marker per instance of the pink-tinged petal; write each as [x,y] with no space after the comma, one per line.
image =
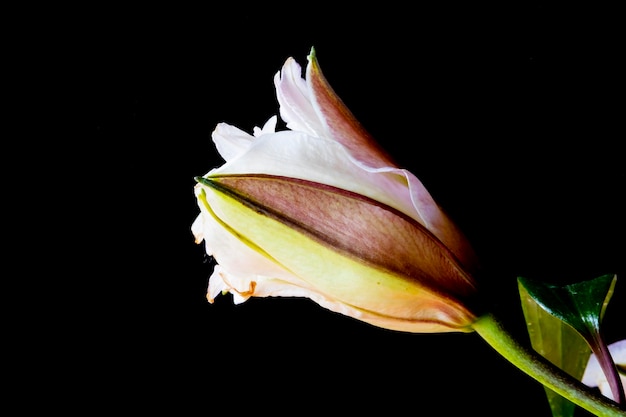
[296,155]
[400,185]
[339,121]
[438,222]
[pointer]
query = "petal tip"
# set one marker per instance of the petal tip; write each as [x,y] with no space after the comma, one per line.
[312,58]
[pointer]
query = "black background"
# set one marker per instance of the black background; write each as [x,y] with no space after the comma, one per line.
[511,116]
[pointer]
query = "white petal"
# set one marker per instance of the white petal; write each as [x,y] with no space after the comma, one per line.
[197,228]
[230,141]
[268,127]
[293,97]
[216,284]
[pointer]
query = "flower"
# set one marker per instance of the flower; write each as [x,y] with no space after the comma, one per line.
[321,211]
[594,375]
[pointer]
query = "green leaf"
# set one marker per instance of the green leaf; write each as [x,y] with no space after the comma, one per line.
[581,305]
[557,342]
[562,319]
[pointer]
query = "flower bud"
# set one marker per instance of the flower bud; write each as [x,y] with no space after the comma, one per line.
[320,211]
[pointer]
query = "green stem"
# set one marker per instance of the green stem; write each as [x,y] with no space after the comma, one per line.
[529,361]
